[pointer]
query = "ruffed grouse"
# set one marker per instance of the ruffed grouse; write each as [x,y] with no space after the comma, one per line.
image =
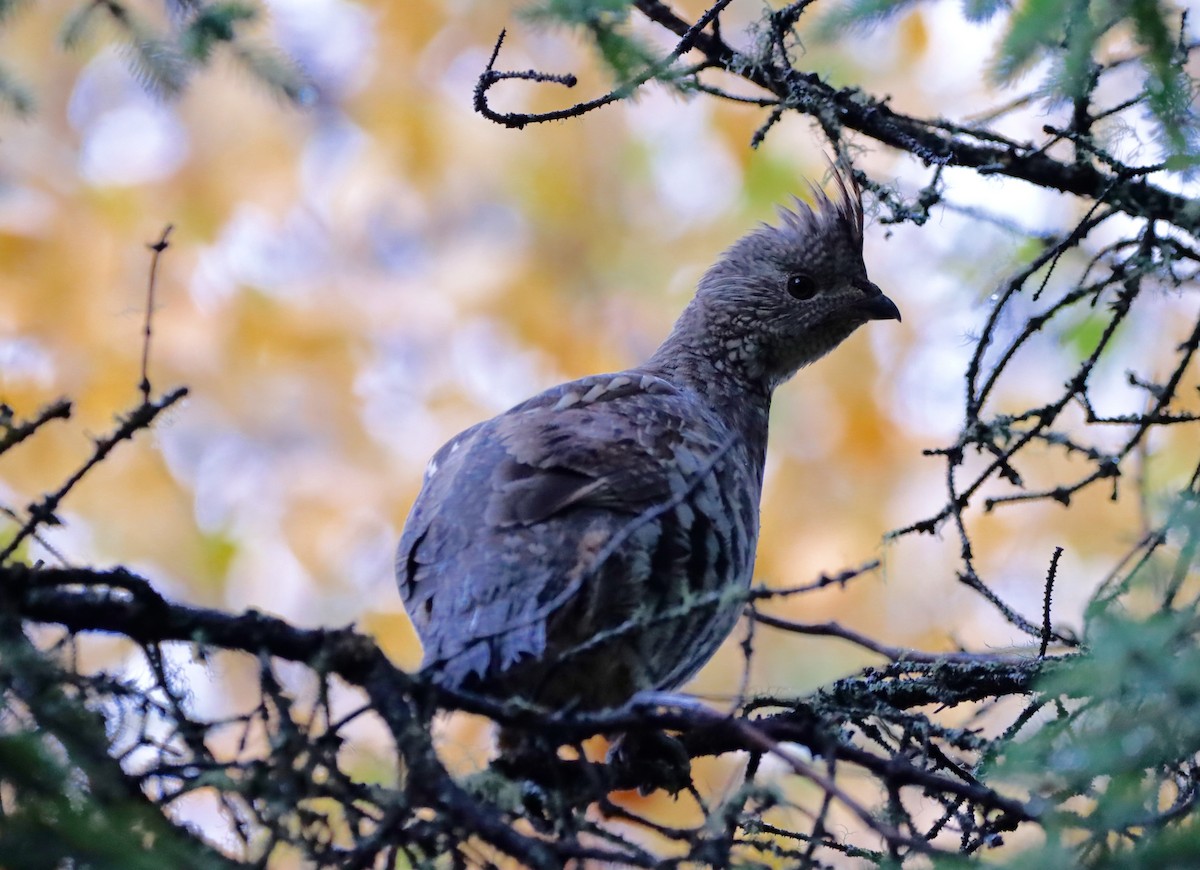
[597,540]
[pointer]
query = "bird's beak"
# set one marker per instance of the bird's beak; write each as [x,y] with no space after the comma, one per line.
[876,306]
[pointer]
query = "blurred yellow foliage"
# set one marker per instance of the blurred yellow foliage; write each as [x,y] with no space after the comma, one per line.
[351,284]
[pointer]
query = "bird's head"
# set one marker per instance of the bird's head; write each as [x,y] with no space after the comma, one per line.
[785,295]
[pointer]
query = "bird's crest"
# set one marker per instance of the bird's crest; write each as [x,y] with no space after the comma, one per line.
[842,213]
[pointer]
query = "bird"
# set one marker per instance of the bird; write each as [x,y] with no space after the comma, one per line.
[596,542]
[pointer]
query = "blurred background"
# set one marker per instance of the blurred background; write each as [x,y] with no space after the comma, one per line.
[354,280]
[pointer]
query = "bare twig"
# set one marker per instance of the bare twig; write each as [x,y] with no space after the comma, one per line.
[157,248]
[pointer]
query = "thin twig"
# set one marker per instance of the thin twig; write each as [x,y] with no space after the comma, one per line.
[893,653]
[157,248]
[1051,575]
[43,512]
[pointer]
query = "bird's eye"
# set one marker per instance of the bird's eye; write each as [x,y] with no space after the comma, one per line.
[801,286]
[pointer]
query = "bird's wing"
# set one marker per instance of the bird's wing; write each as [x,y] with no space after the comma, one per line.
[491,530]
[618,443]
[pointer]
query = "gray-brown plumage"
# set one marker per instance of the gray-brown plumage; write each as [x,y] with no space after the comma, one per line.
[597,539]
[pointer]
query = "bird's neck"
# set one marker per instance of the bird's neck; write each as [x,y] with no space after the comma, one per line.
[692,358]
